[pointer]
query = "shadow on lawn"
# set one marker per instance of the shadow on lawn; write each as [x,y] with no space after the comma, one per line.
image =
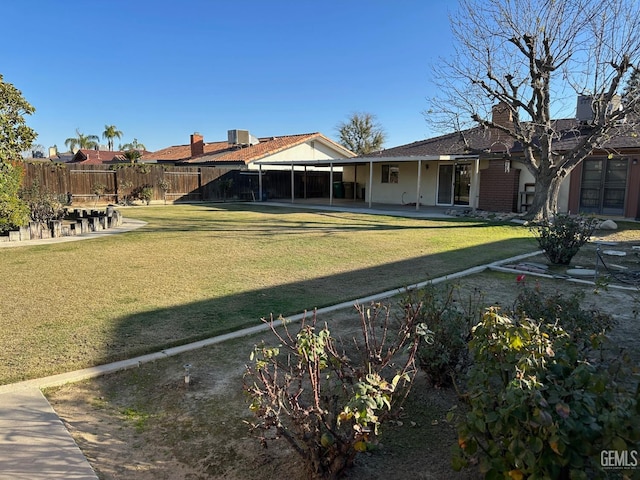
[155,330]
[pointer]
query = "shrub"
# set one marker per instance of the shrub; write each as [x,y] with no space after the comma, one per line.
[144,193]
[165,186]
[43,205]
[562,237]
[124,192]
[14,213]
[326,398]
[580,324]
[450,320]
[537,408]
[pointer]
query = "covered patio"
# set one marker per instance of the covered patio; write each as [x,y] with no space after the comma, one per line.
[417,180]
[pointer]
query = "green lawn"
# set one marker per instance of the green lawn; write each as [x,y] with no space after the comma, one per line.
[198,270]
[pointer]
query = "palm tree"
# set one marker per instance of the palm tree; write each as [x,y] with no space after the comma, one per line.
[132,155]
[110,133]
[81,141]
[132,151]
[135,145]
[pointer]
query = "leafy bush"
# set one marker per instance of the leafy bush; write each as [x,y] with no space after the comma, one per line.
[14,213]
[562,237]
[326,398]
[538,409]
[450,320]
[580,324]
[165,186]
[43,205]
[144,193]
[124,192]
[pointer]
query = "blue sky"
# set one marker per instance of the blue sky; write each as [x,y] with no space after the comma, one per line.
[160,70]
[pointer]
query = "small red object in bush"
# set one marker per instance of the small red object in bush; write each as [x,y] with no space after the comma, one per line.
[521,278]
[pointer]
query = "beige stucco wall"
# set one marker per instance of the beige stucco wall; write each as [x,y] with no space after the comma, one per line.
[404,192]
[311,150]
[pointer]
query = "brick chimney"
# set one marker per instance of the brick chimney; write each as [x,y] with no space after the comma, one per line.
[197,144]
[501,115]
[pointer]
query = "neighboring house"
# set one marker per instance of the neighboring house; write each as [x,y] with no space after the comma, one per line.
[56,157]
[443,171]
[97,157]
[243,149]
[242,153]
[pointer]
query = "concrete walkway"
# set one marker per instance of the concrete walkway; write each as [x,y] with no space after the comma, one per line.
[128,224]
[34,443]
[361,207]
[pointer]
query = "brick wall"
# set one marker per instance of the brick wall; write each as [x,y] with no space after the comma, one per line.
[197,144]
[498,190]
[501,115]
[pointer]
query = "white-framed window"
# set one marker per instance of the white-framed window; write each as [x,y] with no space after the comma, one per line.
[390,173]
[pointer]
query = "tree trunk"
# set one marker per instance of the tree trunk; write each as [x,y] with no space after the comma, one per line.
[545,199]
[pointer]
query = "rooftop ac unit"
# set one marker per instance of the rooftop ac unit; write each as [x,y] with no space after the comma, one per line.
[238,137]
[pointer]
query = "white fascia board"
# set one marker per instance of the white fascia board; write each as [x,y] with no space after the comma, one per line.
[334,146]
[364,160]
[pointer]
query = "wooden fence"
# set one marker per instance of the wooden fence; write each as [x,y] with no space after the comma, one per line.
[114,182]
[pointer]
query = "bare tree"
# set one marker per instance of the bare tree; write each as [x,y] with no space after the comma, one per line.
[362,134]
[535,57]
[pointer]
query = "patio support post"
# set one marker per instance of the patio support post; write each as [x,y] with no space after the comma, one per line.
[355,181]
[292,183]
[418,186]
[370,180]
[330,184]
[260,182]
[305,182]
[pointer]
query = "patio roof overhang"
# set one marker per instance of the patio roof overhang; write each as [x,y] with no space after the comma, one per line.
[365,160]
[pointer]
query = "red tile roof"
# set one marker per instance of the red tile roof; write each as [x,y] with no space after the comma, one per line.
[97,157]
[223,152]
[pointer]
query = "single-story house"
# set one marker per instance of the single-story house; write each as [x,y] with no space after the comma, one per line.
[97,157]
[442,171]
[243,149]
[242,152]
